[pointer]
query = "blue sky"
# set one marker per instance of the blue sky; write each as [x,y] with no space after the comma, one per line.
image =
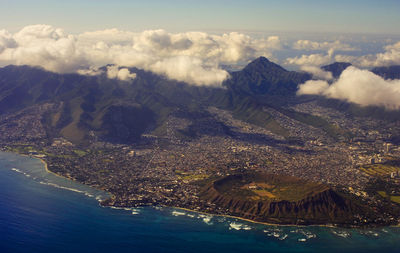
[351,16]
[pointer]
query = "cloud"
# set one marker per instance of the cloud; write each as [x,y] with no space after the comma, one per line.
[346,58]
[193,57]
[391,56]
[309,45]
[6,40]
[313,87]
[357,86]
[123,74]
[317,72]
[306,61]
[189,70]
[42,45]
[311,59]
[90,71]
[273,42]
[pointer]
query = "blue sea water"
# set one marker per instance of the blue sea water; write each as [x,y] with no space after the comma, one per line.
[41,212]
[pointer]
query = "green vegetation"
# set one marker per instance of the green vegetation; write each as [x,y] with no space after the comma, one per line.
[190,177]
[253,114]
[80,152]
[382,193]
[315,121]
[386,189]
[393,198]
[267,187]
[194,177]
[21,149]
[72,131]
[380,170]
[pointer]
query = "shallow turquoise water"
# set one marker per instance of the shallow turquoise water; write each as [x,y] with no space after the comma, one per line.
[39,214]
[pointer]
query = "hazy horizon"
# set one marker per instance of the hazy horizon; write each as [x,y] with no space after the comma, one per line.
[356,16]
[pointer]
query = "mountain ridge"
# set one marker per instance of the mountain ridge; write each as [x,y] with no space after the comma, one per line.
[85,100]
[336,68]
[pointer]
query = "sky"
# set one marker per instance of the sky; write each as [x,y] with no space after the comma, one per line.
[351,16]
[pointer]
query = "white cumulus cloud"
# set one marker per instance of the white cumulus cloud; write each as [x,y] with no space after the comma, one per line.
[123,74]
[193,57]
[317,72]
[391,56]
[311,59]
[42,45]
[313,87]
[357,86]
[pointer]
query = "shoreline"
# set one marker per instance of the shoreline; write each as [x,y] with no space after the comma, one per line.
[190,210]
[253,221]
[68,178]
[49,171]
[181,208]
[46,168]
[45,165]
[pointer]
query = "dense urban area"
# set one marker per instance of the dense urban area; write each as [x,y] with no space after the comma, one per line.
[171,169]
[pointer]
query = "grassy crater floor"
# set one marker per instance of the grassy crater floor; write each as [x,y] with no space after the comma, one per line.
[267,187]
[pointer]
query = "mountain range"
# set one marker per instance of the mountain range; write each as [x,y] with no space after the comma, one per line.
[88,108]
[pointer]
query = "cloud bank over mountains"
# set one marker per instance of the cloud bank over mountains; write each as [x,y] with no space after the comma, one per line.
[357,86]
[391,56]
[329,52]
[354,85]
[197,58]
[193,57]
[311,59]
[317,72]
[123,74]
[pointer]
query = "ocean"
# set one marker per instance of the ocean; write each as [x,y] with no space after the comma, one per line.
[41,212]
